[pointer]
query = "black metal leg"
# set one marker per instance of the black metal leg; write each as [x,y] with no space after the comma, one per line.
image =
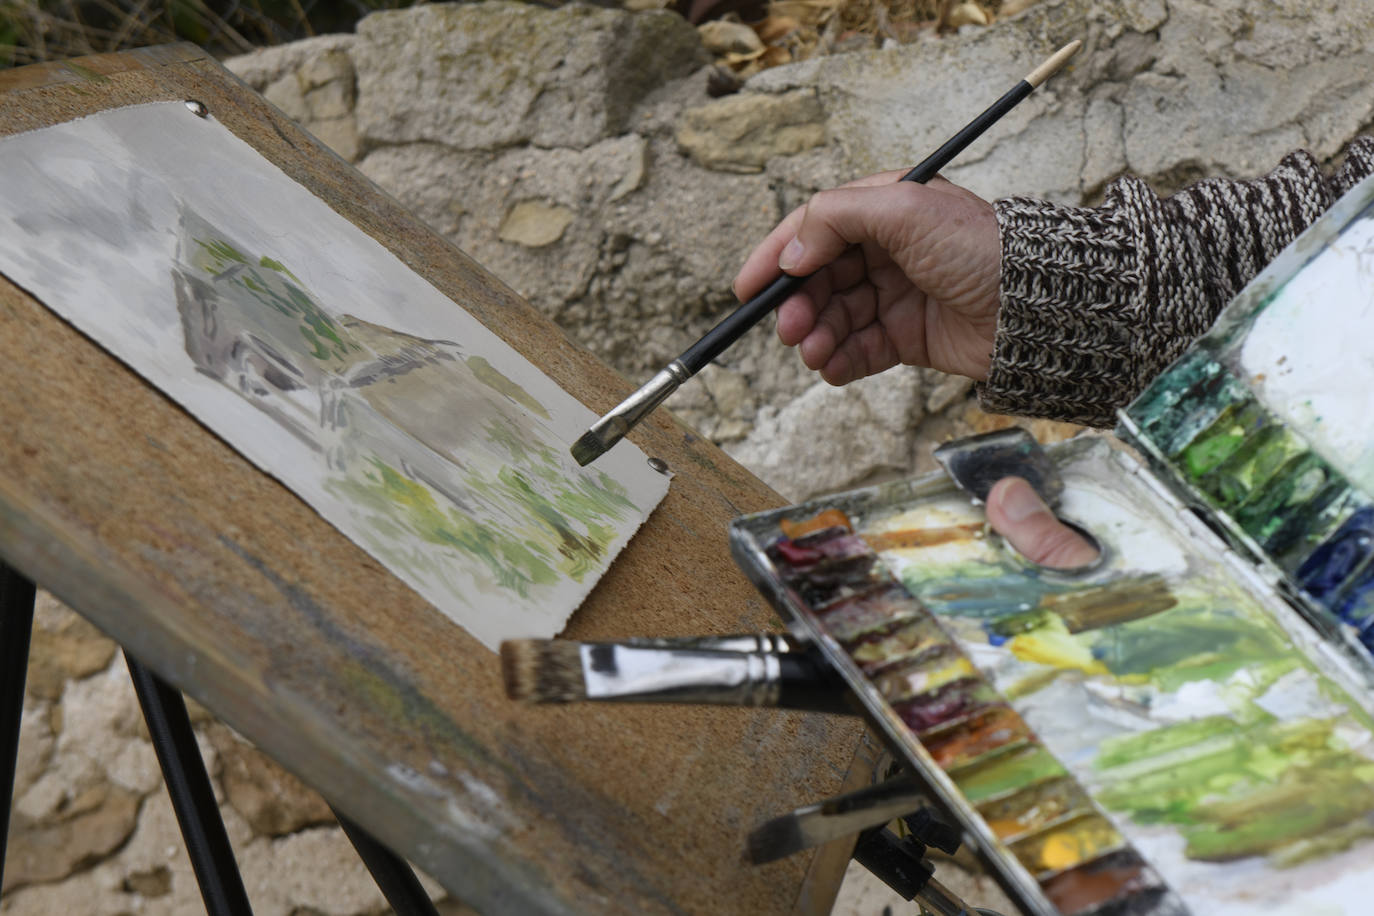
[183,770]
[398,883]
[193,799]
[16,627]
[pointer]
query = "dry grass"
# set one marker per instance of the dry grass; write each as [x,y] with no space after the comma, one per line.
[799,29]
[38,30]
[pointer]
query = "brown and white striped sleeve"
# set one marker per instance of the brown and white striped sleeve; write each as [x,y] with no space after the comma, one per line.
[1098,300]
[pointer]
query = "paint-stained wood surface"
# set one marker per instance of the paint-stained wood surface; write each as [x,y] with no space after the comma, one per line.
[231,587]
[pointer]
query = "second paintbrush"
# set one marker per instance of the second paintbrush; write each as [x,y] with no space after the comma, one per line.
[611,428]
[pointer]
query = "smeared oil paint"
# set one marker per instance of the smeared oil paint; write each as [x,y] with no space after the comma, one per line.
[828,566]
[907,642]
[1007,773]
[1032,808]
[951,701]
[989,730]
[827,545]
[1186,707]
[1220,441]
[1237,790]
[1149,901]
[1119,601]
[873,612]
[1052,644]
[1337,562]
[1067,844]
[928,672]
[1110,877]
[1090,608]
[922,537]
[827,518]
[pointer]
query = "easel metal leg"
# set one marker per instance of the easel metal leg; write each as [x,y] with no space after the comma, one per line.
[193,798]
[16,628]
[398,883]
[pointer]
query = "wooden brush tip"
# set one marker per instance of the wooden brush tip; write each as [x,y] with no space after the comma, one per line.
[1052,64]
[543,670]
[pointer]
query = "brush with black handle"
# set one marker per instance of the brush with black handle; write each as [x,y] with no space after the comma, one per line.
[753,670]
[611,428]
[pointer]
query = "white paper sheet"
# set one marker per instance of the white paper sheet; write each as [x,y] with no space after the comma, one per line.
[323,359]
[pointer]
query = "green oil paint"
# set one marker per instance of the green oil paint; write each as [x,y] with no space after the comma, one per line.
[1251,466]
[1006,773]
[1238,790]
[1221,440]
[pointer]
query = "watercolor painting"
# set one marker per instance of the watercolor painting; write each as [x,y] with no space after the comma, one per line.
[323,359]
[1158,736]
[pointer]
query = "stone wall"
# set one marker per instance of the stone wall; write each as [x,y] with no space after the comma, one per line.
[577,153]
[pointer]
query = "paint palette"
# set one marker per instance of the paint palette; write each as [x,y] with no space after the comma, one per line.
[1263,424]
[1188,725]
[1160,734]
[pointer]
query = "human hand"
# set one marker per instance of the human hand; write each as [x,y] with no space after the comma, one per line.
[1017,512]
[905,273]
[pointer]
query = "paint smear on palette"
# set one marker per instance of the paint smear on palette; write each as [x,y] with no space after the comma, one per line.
[323,359]
[1162,695]
[987,749]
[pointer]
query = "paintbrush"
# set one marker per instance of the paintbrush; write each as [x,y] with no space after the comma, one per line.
[764,670]
[611,428]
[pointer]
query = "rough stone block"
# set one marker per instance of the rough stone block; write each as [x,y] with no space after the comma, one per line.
[833,438]
[265,66]
[489,75]
[740,133]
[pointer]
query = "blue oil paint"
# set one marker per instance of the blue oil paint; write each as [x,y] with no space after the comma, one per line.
[1339,558]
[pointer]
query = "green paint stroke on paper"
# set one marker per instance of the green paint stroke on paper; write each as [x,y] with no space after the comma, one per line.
[488,375]
[439,455]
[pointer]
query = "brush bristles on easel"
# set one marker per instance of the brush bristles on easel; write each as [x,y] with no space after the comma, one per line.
[753,670]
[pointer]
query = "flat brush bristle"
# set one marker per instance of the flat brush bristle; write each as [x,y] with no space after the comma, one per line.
[543,670]
[775,839]
[587,448]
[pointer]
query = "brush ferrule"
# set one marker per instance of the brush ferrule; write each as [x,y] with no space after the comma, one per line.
[611,428]
[640,674]
[738,642]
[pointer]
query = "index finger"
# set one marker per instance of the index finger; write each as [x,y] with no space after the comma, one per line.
[761,267]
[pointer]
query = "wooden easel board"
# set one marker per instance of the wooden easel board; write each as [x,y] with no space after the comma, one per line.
[229,586]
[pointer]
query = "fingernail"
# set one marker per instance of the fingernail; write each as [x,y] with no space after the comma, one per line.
[791,255]
[1020,501]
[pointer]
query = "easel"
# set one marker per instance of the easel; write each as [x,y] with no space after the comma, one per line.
[183,771]
[231,589]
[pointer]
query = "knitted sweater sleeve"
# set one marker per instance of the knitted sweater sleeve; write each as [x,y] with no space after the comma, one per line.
[1096,301]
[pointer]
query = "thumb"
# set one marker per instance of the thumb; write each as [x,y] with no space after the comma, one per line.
[889,215]
[1017,512]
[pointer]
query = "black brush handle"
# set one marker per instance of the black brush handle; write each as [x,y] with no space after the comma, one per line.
[734,325]
[810,684]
